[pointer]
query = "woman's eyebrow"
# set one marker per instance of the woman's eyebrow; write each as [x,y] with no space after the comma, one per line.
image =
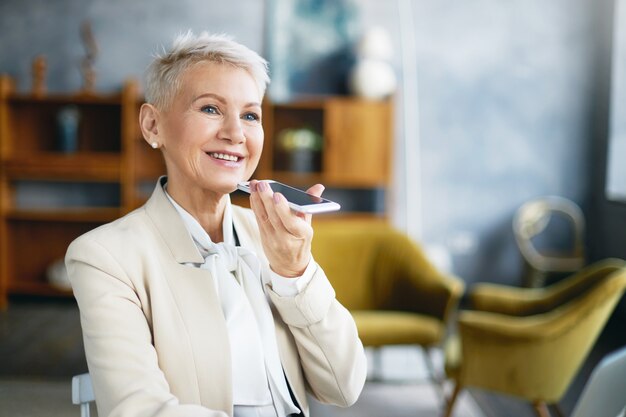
[212,95]
[252,104]
[223,100]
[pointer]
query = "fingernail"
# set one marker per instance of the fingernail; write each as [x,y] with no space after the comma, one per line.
[262,186]
[253,186]
[276,197]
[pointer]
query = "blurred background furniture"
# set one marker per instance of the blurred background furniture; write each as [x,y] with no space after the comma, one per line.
[395,294]
[531,342]
[603,395]
[535,225]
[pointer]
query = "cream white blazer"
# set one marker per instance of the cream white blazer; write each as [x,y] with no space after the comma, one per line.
[154,332]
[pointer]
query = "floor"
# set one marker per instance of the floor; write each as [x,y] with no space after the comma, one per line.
[40,343]
[51,398]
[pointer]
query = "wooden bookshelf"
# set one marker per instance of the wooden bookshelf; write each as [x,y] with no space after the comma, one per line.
[355,154]
[107,149]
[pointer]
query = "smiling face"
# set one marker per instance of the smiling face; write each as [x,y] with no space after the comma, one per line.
[211,134]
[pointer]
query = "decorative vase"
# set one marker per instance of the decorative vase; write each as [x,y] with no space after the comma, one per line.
[372,76]
[68,119]
[372,79]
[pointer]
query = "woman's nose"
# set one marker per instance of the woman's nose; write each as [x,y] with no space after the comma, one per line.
[232,130]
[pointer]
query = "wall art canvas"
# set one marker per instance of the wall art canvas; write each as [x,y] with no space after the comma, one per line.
[309,46]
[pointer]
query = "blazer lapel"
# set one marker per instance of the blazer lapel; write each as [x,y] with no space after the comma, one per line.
[197,301]
[171,227]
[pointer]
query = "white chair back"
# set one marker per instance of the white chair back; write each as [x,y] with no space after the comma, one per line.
[82,393]
[604,394]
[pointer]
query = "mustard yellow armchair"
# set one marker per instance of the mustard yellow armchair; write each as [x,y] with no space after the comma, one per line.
[530,343]
[396,296]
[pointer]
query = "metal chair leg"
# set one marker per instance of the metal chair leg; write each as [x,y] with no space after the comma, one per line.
[432,374]
[377,364]
[541,409]
[84,410]
[457,389]
[557,408]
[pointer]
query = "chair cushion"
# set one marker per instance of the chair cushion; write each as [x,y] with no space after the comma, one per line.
[379,328]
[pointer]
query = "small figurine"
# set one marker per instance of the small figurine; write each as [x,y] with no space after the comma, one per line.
[39,68]
[91,51]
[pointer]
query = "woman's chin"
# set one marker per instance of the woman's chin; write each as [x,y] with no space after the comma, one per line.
[217,183]
[224,187]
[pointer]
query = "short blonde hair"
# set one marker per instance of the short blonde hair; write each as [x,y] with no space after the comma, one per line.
[163,75]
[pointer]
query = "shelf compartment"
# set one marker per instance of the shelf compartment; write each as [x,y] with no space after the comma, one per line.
[33,125]
[66,99]
[84,165]
[32,247]
[69,215]
[305,116]
[56,196]
[38,289]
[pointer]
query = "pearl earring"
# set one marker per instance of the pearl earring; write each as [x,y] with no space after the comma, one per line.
[154,145]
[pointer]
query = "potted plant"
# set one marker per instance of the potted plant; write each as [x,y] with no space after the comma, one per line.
[300,149]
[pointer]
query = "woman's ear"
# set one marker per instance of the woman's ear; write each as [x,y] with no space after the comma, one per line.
[149,124]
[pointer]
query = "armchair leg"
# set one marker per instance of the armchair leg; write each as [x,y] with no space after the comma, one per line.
[558,410]
[541,409]
[377,364]
[432,374]
[457,389]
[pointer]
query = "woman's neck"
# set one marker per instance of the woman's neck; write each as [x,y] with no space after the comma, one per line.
[207,207]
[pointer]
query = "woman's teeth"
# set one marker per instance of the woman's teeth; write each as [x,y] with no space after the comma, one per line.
[225,157]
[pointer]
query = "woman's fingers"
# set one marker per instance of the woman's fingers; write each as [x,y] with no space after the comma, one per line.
[316,190]
[266,206]
[292,224]
[257,206]
[286,236]
[273,207]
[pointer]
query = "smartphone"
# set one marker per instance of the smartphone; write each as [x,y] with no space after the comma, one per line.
[298,200]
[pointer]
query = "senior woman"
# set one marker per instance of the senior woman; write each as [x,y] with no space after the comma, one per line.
[191,306]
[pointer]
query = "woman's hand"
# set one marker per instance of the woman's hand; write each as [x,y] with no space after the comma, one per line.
[286,235]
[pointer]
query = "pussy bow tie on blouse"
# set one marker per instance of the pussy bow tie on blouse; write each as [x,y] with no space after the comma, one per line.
[246,307]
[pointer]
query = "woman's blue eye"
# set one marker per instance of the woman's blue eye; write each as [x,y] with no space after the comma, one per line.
[209,109]
[251,117]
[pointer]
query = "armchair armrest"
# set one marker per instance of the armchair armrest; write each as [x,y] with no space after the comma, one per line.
[449,288]
[484,327]
[527,301]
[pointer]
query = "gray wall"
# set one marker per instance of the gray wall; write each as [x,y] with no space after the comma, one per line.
[511,97]
[127,33]
[505,116]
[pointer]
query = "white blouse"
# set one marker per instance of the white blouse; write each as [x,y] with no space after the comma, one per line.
[257,374]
